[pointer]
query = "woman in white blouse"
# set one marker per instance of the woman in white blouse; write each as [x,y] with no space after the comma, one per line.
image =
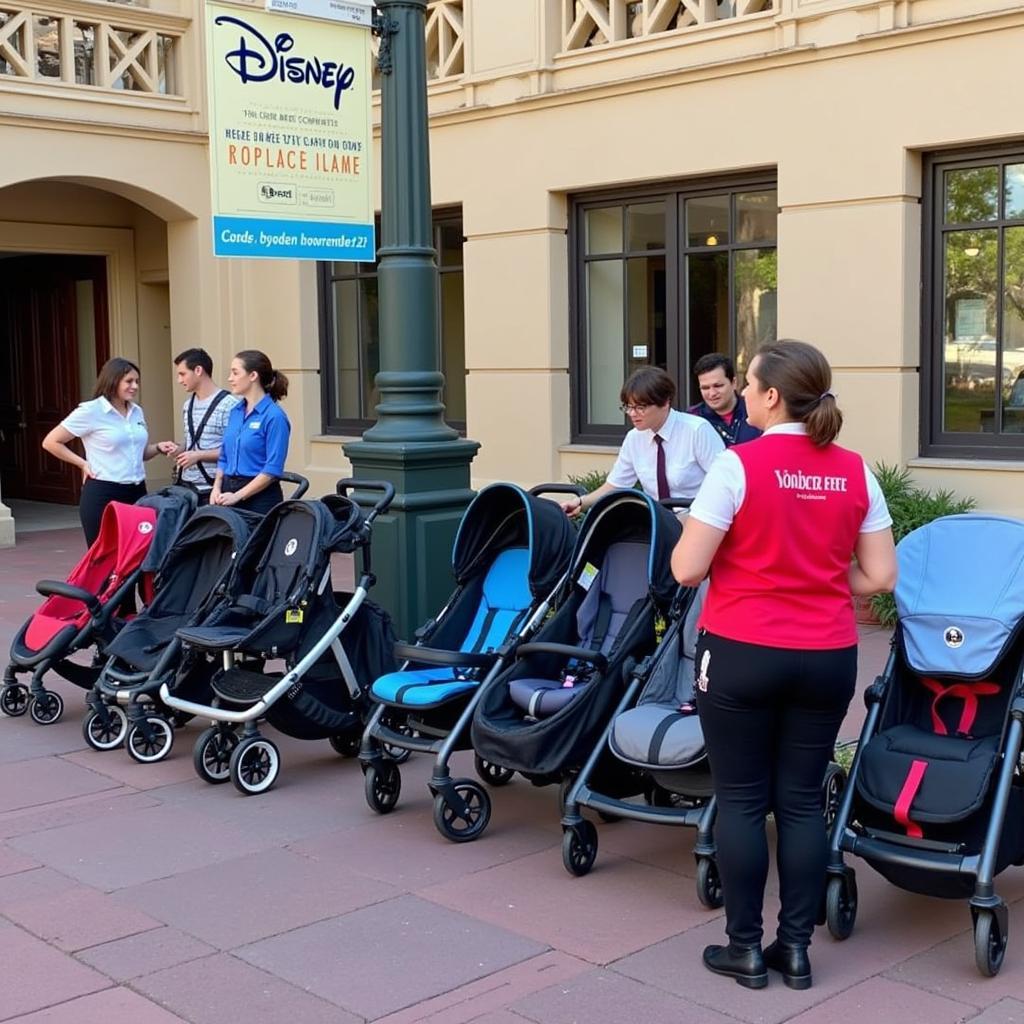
[113,429]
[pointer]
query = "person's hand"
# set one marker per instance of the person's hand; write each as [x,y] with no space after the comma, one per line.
[168,448]
[215,495]
[229,499]
[87,473]
[572,507]
[186,459]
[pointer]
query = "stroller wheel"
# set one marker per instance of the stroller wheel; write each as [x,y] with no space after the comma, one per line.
[841,905]
[105,730]
[382,784]
[150,740]
[709,883]
[463,821]
[989,943]
[254,765]
[832,787]
[14,700]
[211,755]
[493,774]
[347,746]
[579,847]
[46,708]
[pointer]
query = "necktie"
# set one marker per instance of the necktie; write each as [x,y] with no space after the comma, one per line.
[663,491]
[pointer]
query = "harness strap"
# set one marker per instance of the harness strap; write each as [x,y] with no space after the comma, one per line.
[485,629]
[654,748]
[197,432]
[968,693]
[601,622]
[901,810]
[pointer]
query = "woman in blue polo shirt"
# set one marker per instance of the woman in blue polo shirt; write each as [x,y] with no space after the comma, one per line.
[255,445]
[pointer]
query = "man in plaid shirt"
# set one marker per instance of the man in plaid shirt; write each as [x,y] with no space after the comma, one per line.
[204,417]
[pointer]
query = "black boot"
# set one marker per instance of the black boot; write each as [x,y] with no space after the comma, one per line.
[743,963]
[791,961]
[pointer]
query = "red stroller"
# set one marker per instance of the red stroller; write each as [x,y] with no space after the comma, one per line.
[84,610]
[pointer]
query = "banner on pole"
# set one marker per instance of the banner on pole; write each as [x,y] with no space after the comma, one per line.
[290,142]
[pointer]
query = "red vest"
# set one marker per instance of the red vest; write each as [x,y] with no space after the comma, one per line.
[779,578]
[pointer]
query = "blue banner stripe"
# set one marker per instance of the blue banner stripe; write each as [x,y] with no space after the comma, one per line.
[256,237]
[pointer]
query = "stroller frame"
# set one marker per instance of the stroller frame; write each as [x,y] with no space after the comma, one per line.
[579,836]
[462,807]
[989,913]
[252,761]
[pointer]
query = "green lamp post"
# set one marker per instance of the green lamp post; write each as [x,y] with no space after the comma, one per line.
[410,445]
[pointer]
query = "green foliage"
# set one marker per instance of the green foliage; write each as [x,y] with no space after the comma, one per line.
[589,481]
[910,507]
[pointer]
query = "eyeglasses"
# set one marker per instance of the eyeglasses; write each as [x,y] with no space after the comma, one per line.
[630,409]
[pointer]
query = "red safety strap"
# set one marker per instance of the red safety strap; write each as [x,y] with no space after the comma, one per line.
[901,810]
[968,692]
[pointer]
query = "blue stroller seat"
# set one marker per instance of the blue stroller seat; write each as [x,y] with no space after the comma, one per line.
[504,600]
[614,590]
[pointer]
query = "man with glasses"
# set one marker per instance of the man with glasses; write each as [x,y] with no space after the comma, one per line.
[667,451]
[722,406]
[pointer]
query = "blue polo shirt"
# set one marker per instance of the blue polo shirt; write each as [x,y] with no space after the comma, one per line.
[255,442]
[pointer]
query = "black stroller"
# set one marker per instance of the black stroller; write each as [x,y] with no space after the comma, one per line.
[278,602]
[936,801]
[511,550]
[543,716]
[87,609]
[125,707]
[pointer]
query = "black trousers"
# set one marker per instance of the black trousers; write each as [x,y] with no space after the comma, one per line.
[260,503]
[770,718]
[96,496]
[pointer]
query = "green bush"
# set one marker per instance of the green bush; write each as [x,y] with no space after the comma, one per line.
[910,507]
[589,481]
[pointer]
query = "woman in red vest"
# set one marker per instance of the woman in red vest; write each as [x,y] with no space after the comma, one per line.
[790,526]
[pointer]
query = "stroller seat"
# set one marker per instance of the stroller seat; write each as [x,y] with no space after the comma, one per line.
[505,599]
[614,590]
[663,730]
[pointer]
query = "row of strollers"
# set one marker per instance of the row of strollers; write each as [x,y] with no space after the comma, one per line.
[564,656]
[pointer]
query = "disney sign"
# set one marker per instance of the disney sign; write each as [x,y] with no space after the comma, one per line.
[257,59]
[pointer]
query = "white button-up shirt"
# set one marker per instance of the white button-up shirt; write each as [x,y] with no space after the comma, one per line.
[114,444]
[691,444]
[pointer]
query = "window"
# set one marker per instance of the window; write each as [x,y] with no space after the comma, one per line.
[973,329]
[350,349]
[662,278]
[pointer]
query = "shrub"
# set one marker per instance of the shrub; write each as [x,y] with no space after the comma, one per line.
[910,507]
[589,481]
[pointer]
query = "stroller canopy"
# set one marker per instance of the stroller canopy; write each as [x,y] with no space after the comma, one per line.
[960,595]
[504,516]
[632,516]
[208,526]
[173,506]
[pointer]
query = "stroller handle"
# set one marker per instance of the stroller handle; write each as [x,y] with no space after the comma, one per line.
[301,484]
[381,505]
[58,588]
[596,658]
[538,489]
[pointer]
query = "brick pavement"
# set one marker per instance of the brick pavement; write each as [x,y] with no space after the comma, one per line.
[138,893]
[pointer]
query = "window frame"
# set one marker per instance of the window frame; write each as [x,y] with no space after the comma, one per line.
[677,355]
[349,426]
[934,442]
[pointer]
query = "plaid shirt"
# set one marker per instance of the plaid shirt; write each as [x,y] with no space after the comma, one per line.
[213,434]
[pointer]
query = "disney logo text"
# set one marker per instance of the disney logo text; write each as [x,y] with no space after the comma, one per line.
[257,59]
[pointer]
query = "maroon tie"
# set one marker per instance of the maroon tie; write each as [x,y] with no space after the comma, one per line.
[663,491]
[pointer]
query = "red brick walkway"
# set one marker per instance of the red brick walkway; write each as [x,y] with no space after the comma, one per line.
[138,893]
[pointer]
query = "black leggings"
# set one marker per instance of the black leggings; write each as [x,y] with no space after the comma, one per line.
[770,718]
[96,496]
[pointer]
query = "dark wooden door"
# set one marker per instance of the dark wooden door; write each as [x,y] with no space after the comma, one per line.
[39,364]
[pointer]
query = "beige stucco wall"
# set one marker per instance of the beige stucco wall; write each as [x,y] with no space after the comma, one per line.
[839,97]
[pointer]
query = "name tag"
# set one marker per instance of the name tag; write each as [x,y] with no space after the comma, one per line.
[255,425]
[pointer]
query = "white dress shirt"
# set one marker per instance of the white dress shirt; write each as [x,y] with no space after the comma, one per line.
[114,444]
[690,443]
[726,486]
